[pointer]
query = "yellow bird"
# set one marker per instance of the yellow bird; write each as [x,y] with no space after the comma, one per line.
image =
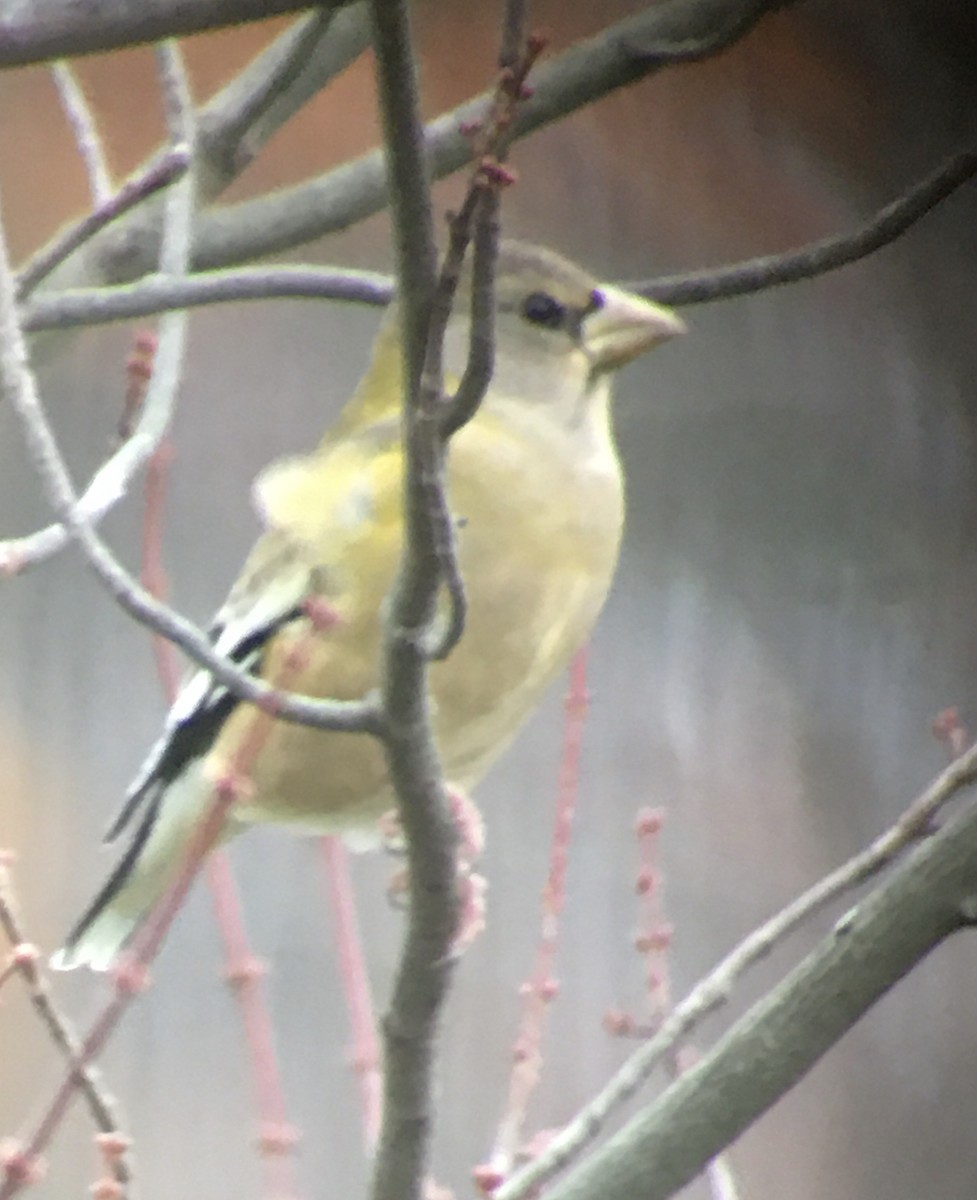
[535,487]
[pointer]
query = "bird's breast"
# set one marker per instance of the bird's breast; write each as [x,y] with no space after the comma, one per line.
[538,529]
[538,538]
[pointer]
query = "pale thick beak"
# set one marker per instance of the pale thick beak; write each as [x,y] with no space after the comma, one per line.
[624,327]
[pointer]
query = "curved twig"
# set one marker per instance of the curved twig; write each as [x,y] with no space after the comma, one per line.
[773,270]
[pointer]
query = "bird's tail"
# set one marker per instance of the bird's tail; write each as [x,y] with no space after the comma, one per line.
[150,863]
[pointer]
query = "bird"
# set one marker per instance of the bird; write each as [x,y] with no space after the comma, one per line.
[536,492]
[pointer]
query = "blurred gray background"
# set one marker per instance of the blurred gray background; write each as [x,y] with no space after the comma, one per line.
[794,604]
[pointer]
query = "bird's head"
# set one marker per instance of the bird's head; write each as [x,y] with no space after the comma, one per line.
[560,334]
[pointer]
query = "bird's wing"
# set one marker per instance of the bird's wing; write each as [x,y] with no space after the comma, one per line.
[308,505]
[269,595]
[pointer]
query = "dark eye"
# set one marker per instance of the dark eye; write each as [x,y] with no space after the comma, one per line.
[543,309]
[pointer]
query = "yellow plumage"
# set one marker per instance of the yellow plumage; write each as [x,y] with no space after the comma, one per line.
[535,488]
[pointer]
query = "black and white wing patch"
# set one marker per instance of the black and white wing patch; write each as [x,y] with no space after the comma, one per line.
[253,613]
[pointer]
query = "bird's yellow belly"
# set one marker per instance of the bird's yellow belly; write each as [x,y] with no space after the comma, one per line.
[533,595]
[481,696]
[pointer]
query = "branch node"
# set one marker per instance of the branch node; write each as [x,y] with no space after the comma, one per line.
[20,1168]
[277,1138]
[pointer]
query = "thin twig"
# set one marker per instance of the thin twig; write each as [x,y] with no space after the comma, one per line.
[236,123]
[172,164]
[156,410]
[80,117]
[421,983]
[19,386]
[153,294]
[60,1030]
[242,970]
[476,223]
[716,989]
[351,965]
[656,37]
[428,561]
[130,974]
[760,274]
[479,215]
[542,987]
[654,942]
[225,145]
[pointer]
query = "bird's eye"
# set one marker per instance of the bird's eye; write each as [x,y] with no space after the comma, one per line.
[543,309]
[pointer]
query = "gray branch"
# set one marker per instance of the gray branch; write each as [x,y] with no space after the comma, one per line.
[233,127]
[423,973]
[719,986]
[235,124]
[18,386]
[35,30]
[676,31]
[817,258]
[155,294]
[777,1042]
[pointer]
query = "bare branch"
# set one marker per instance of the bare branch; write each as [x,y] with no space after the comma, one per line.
[716,989]
[162,172]
[539,990]
[18,385]
[153,294]
[428,560]
[670,32]
[45,29]
[63,1036]
[421,983]
[85,128]
[759,274]
[244,973]
[292,69]
[676,31]
[477,223]
[113,478]
[780,1038]
[181,124]
[238,122]
[84,306]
